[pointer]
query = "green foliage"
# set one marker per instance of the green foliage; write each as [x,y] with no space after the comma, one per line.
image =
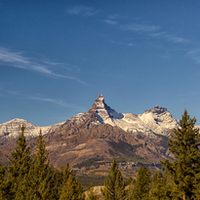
[16,184]
[114,186]
[72,190]
[41,174]
[91,195]
[160,187]
[185,170]
[87,180]
[2,174]
[141,186]
[60,178]
[31,177]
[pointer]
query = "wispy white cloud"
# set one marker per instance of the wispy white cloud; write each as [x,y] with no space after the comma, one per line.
[194,55]
[82,10]
[37,97]
[150,31]
[18,60]
[130,44]
[169,37]
[116,19]
[51,100]
[154,32]
[140,27]
[112,19]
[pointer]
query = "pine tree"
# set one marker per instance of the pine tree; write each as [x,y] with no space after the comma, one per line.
[41,174]
[2,174]
[185,169]
[114,185]
[60,177]
[160,187]
[72,190]
[91,195]
[142,184]
[21,161]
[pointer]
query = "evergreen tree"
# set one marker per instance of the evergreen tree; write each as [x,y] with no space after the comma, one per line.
[2,174]
[160,188]
[185,169]
[91,195]
[114,185]
[21,161]
[61,176]
[72,190]
[41,174]
[142,184]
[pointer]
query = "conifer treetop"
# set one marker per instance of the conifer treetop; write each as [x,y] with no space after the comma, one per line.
[184,144]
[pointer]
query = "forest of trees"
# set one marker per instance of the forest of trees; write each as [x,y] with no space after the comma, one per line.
[31,176]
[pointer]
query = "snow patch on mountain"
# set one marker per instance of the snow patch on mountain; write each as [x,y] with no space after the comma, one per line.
[104,112]
[151,122]
[159,119]
[13,128]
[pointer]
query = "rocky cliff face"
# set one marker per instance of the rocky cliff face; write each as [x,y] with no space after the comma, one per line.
[104,113]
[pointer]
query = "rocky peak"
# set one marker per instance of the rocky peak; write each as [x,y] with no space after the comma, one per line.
[100,103]
[157,110]
[103,111]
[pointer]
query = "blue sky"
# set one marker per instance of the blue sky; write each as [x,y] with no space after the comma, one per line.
[56,57]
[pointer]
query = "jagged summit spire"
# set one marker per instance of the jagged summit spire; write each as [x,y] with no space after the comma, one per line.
[100,97]
[103,111]
[99,102]
[158,109]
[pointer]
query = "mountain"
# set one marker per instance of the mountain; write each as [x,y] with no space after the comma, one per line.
[157,121]
[94,137]
[11,129]
[90,140]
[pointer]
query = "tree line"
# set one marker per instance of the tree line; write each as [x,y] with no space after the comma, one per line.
[31,176]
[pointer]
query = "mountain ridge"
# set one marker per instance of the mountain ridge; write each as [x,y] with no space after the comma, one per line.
[152,122]
[12,128]
[156,121]
[98,135]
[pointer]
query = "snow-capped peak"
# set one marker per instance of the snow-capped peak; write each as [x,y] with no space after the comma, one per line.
[12,128]
[104,112]
[159,119]
[154,121]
